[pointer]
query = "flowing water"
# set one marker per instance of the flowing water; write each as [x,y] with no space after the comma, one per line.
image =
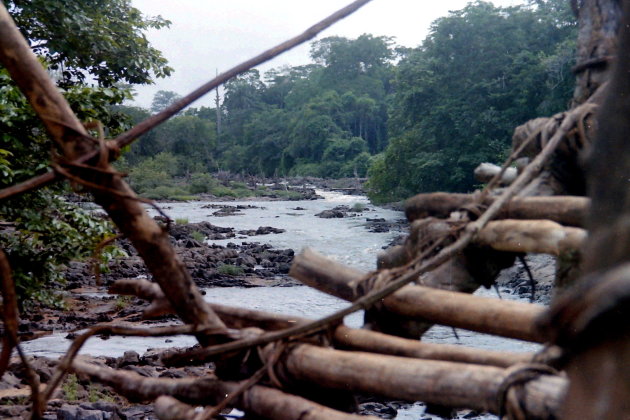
[345,239]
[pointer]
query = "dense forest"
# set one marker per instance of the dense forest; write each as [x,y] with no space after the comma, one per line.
[414,120]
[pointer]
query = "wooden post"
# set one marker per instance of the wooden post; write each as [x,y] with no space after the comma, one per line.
[531,236]
[591,321]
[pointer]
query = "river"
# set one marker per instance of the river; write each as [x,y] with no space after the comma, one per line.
[345,239]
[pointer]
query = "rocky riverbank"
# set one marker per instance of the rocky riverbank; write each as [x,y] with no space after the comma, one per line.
[515,280]
[245,265]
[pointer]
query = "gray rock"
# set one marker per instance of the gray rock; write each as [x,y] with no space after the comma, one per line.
[73,412]
[331,214]
[129,358]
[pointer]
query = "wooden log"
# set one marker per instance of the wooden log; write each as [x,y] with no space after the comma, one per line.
[486,171]
[365,340]
[566,210]
[435,382]
[376,342]
[350,338]
[169,408]
[263,402]
[114,195]
[514,236]
[492,316]
[534,236]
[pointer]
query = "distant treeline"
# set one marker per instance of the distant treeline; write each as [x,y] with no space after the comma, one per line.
[412,120]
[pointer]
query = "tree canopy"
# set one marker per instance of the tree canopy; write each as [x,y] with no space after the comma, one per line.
[482,71]
[420,119]
[100,42]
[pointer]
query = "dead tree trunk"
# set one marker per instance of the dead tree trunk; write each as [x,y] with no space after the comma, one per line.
[343,337]
[597,45]
[591,321]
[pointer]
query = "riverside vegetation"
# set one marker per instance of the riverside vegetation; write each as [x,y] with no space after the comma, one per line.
[365,107]
[411,119]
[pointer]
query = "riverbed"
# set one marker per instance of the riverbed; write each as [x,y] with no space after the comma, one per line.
[344,239]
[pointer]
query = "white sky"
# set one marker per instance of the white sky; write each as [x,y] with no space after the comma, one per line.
[210,35]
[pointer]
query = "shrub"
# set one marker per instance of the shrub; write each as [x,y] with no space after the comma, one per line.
[358,207]
[164,192]
[231,270]
[202,183]
[198,236]
[181,221]
[48,234]
[70,387]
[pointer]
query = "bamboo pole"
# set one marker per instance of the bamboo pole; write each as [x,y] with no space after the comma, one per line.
[492,316]
[566,210]
[110,191]
[344,337]
[263,402]
[436,382]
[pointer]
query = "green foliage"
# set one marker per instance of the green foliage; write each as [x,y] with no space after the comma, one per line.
[198,236]
[182,221]
[70,387]
[482,71]
[412,120]
[98,393]
[104,39]
[202,183]
[163,99]
[358,207]
[286,124]
[231,270]
[48,234]
[154,173]
[102,42]
[122,302]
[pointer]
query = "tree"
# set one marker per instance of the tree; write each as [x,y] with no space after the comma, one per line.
[104,40]
[243,97]
[162,99]
[77,40]
[458,97]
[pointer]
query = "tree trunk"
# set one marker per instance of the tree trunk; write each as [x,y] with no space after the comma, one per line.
[263,402]
[591,321]
[343,337]
[598,22]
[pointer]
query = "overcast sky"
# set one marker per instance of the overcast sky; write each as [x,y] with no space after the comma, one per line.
[210,35]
